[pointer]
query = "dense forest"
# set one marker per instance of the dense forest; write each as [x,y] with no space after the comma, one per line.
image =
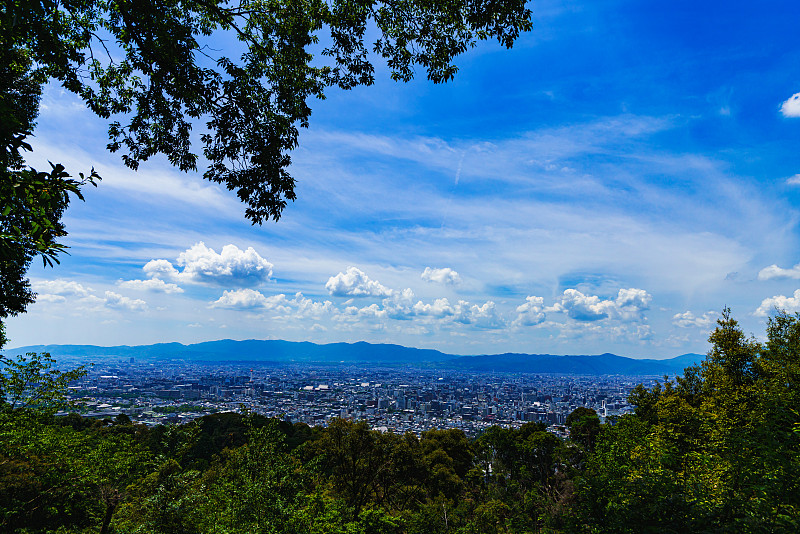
[715,450]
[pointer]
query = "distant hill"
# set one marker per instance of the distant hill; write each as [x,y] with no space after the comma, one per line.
[227,350]
[278,351]
[602,364]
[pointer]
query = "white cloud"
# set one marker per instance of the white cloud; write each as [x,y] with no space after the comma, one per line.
[400,305]
[117,301]
[202,265]
[161,184]
[781,302]
[531,313]
[240,299]
[60,287]
[582,307]
[484,316]
[161,269]
[246,299]
[231,265]
[793,180]
[249,299]
[372,311]
[614,332]
[791,108]
[629,305]
[773,271]
[631,302]
[688,320]
[306,307]
[355,283]
[440,308]
[58,291]
[153,284]
[445,275]
[91,303]
[50,298]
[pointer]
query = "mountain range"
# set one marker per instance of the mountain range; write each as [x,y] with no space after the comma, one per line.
[278,351]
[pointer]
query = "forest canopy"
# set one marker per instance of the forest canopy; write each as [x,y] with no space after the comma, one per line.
[715,450]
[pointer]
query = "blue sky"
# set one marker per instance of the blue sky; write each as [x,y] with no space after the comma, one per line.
[609,184]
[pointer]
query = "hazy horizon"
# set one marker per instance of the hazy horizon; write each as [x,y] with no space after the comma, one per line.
[456,354]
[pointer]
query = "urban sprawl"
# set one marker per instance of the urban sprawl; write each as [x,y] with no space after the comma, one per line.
[389,399]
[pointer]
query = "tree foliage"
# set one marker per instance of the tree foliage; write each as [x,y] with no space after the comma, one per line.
[716,450]
[149,68]
[33,382]
[31,202]
[152,69]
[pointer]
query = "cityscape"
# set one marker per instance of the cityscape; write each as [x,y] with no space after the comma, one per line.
[396,399]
